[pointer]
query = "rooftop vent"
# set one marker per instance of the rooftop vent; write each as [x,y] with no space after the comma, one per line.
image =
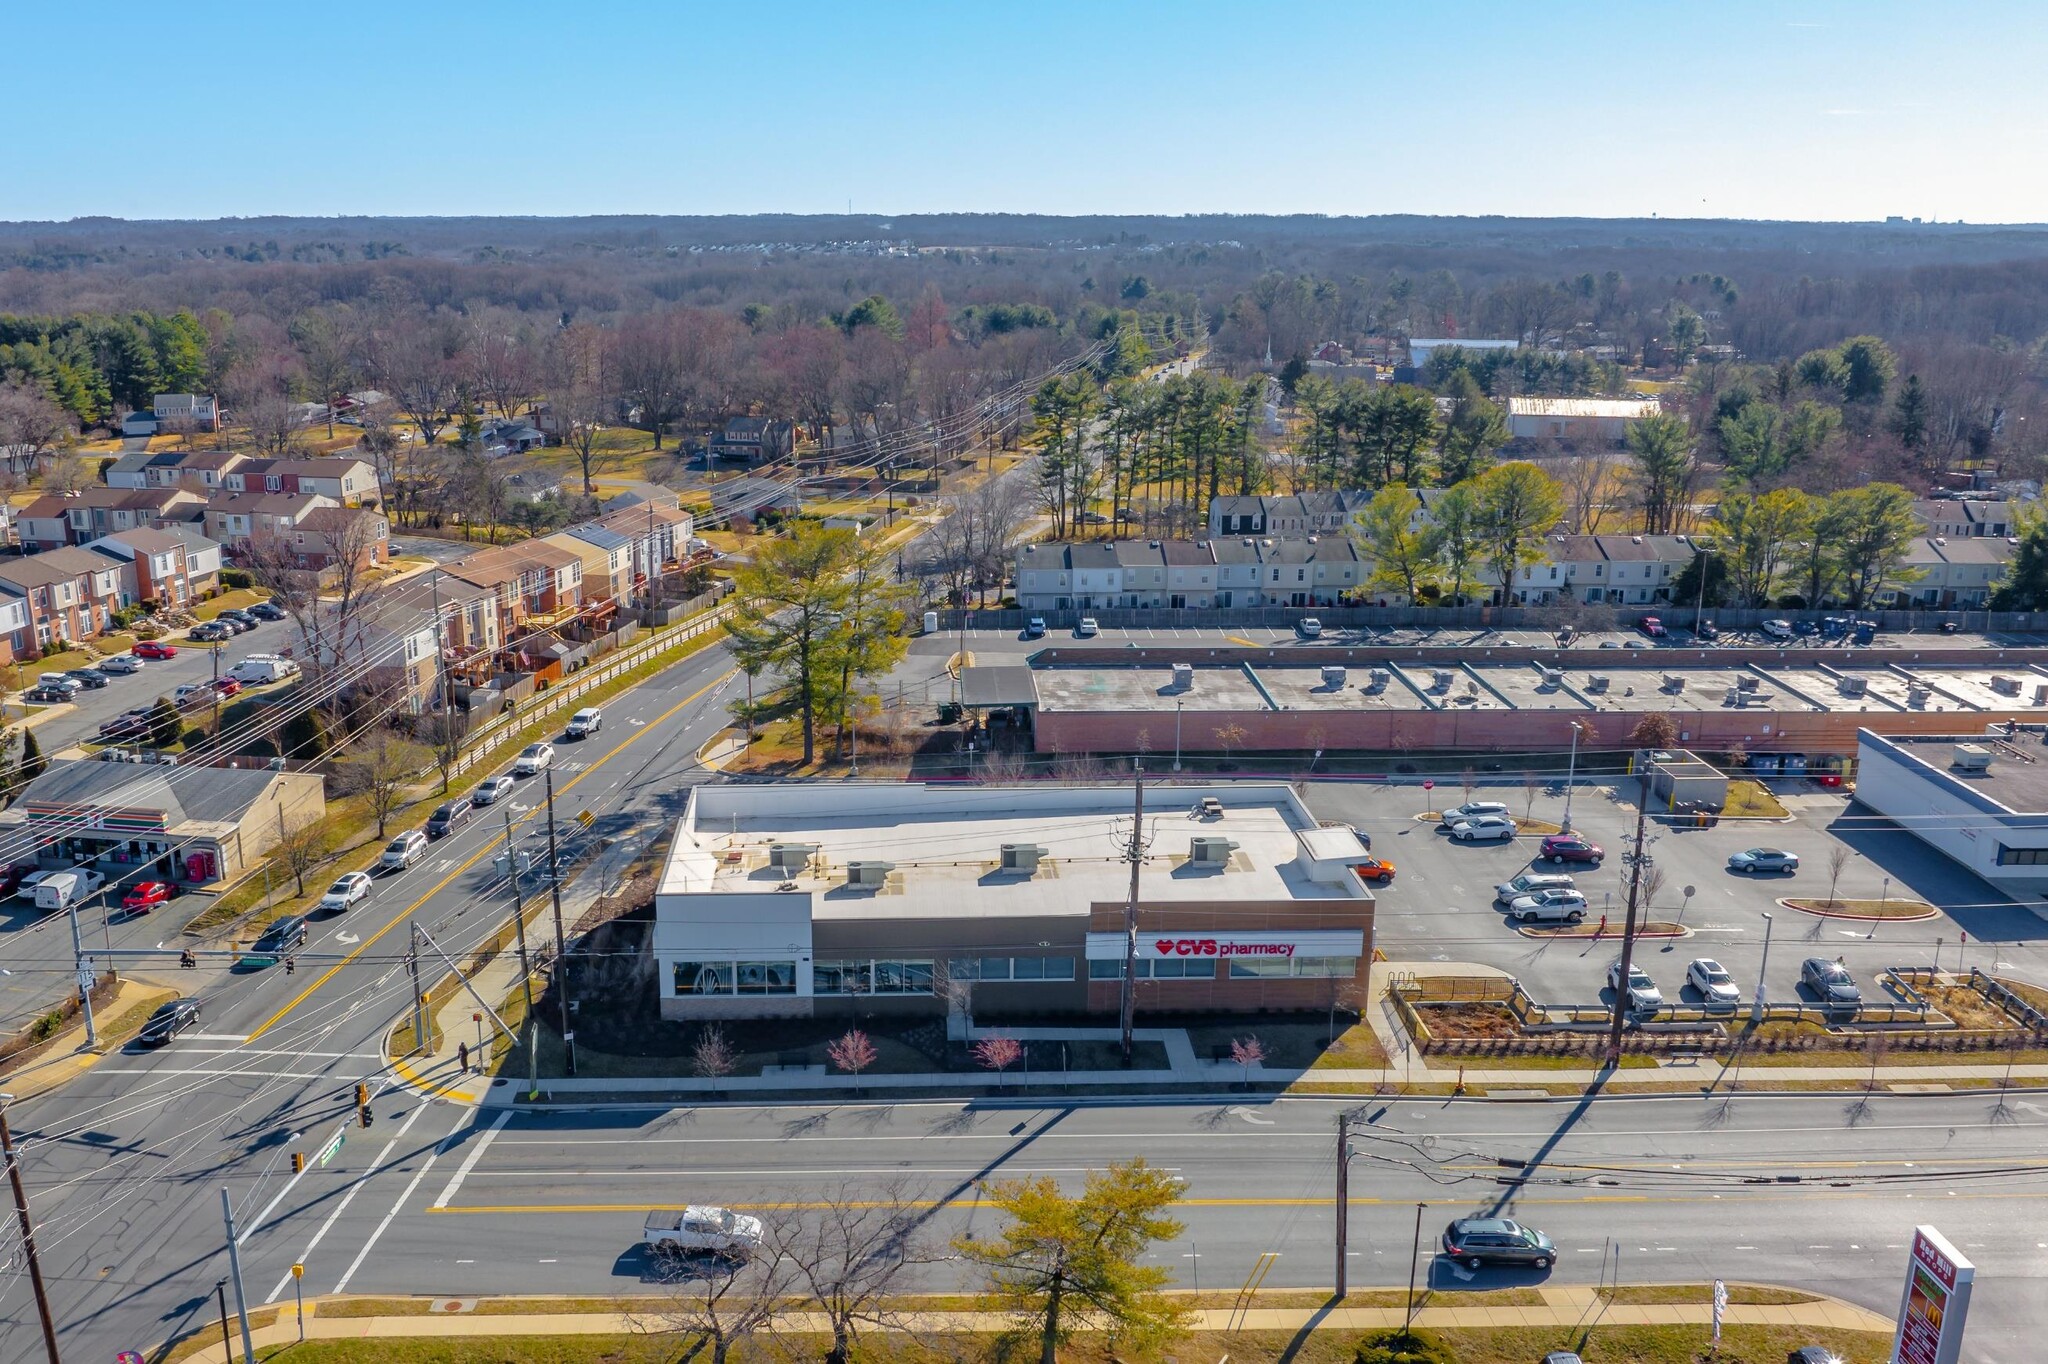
[1853,686]
[1596,682]
[791,856]
[868,873]
[1442,678]
[2005,685]
[1674,682]
[1333,674]
[1209,850]
[1971,758]
[2041,693]
[1022,857]
[1552,678]
[1183,676]
[1747,683]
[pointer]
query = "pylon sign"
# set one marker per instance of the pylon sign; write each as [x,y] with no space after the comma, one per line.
[1936,1302]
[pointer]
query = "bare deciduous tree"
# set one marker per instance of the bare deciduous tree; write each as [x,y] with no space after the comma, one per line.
[851,1255]
[30,426]
[302,849]
[720,1305]
[1838,858]
[378,768]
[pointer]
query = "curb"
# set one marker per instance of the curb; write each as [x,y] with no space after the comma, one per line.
[1565,935]
[1932,913]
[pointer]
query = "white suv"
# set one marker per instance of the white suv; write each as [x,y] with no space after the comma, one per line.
[584,723]
[402,851]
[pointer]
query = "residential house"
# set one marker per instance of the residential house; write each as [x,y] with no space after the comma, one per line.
[202,555]
[237,519]
[201,411]
[1613,570]
[1298,571]
[1324,513]
[139,424]
[73,518]
[534,584]
[71,593]
[1577,421]
[325,535]
[640,493]
[609,572]
[1953,572]
[394,640]
[510,436]
[1958,518]
[747,499]
[346,480]
[155,561]
[753,440]
[17,626]
[660,534]
[198,470]
[1188,575]
[127,471]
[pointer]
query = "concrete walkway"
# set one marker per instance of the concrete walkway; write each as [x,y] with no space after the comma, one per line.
[1563,1309]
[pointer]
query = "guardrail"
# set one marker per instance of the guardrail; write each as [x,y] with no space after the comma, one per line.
[2015,1005]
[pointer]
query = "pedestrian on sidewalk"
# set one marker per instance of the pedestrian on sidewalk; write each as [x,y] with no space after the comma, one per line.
[462,1049]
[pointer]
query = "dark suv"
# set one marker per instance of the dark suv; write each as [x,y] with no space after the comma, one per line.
[448,817]
[285,936]
[1476,1241]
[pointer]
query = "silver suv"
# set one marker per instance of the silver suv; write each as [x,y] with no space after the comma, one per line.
[1532,883]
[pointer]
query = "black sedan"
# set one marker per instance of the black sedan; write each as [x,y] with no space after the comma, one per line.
[264,610]
[168,1021]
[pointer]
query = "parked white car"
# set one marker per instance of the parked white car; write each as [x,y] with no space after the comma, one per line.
[1469,810]
[533,759]
[1776,629]
[1642,991]
[1531,882]
[61,890]
[1483,828]
[1713,982]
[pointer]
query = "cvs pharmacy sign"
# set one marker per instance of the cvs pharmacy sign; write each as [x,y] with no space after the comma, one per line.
[1335,942]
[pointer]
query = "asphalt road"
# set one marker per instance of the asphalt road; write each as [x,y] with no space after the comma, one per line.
[1440,905]
[1818,1193]
[124,1164]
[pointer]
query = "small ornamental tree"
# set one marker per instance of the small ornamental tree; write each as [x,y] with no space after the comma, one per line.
[853,1052]
[714,1057]
[998,1053]
[1247,1052]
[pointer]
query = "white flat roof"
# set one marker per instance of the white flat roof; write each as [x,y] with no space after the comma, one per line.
[945,845]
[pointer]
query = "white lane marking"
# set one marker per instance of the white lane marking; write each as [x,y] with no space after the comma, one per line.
[468,1164]
[371,1244]
[348,1198]
[264,1051]
[216,1037]
[242,1074]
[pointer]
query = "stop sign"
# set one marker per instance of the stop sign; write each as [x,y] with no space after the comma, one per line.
[1429,786]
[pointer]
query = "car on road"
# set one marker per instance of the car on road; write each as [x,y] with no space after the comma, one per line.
[168,1021]
[63,682]
[1563,1357]
[17,875]
[492,790]
[144,896]
[264,610]
[1754,860]
[1562,848]
[402,851]
[1308,627]
[1475,1242]
[153,648]
[348,890]
[1642,991]
[120,663]
[584,723]
[1652,627]
[92,679]
[1776,629]
[1483,828]
[449,816]
[1088,628]
[703,1231]
[1375,869]
[1529,882]
[1712,980]
[1830,980]
[1804,628]
[283,937]
[1035,628]
[1471,809]
[533,758]
[193,694]
[63,889]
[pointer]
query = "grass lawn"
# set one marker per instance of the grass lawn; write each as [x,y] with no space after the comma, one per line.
[106,646]
[1601,1345]
[1751,800]
[1739,1294]
[244,597]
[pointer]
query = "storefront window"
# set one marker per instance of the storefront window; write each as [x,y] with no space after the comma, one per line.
[841,978]
[1251,968]
[1299,968]
[872,977]
[704,978]
[995,968]
[903,977]
[767,977]
[1196,968]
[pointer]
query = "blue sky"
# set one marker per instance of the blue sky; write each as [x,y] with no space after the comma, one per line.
[1728,109]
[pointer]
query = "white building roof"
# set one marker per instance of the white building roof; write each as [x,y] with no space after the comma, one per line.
[1627,409]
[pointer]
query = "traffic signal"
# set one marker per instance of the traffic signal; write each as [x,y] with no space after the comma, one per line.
[362,1094]
[186,961]
[364,1114]
[291,964]
[298,1162]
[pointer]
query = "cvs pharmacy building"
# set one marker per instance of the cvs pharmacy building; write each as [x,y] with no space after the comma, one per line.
[784,901]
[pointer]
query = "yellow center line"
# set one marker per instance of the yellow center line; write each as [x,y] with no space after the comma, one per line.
[474,858]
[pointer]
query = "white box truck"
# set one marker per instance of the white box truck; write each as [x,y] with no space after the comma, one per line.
[63,889]
[703,1231]
[260,669]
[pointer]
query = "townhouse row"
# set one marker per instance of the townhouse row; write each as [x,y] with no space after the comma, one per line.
[317,529]
[61,596]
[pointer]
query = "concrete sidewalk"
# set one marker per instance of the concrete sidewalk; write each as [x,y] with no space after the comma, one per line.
[1563,1309]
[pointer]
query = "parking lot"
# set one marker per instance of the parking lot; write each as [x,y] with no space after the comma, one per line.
[1440,906]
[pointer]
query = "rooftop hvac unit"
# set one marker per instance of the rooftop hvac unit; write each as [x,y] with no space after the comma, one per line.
[1971,758]
[1333,675]
[1552,678]
[1674,682]
[1183,676]
[1022,857]
[1746,683]
[791,856]
[1380,678]
[2005,685]
[1596,682]
[1853,686]
[1442,677]
[868,873]
[1207,850]
[1735,698]
[2041,693]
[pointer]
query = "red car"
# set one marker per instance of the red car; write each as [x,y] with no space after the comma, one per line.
[1571,848]
[1651,626]
[144,896]
[227,686]
[150,648]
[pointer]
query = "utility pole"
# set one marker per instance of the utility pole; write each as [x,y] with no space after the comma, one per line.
[86,975]
[1628,925]
[227,1212]
[525,964]
[1343,1202]
[28,1233]
[419,1001]
[227,1342]
[561,939]
[1134,853]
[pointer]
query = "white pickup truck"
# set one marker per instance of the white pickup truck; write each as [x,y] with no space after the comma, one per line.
[698,1230]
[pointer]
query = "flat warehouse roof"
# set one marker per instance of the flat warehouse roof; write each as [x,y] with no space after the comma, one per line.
[2016,777]
[998,686]
[943,846]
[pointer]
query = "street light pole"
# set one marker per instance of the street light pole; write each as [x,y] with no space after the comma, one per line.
[227,1212]
[87,977]
[1343,1201]
[1571,772]
[28,1233]
[1756,1006]
[1883,903]
[1414,1255]
[561,940]
[1176,733]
